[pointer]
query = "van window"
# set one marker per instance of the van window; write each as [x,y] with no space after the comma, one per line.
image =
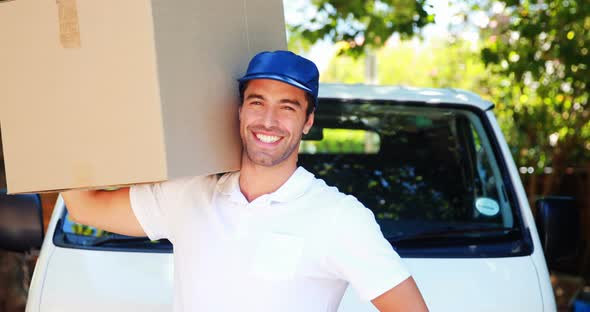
[339,141]
[429,174]
[75,235]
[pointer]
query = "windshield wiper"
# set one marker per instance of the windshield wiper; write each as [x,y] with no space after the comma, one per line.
[459,233]
[118,239]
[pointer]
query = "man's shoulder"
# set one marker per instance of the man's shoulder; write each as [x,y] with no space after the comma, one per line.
[331,197]
[320,189]
[336,212]
[196,179]
[203,183]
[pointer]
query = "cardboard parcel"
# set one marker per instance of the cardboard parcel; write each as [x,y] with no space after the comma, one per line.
[102,93]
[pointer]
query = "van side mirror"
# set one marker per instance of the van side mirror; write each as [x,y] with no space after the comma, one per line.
[558,223]
[21,222]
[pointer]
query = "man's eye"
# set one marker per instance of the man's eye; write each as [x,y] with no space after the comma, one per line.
[289,108]
[255,103]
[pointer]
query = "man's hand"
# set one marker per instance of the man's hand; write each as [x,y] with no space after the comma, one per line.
[404,297]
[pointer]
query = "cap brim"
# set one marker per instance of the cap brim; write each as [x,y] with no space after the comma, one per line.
[281,78]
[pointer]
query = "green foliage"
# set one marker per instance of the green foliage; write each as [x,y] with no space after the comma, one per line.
[533,64]
[85,230]
[428,64]
[348,141]
[539,49]
[345,69]
[361,24]
[435,64]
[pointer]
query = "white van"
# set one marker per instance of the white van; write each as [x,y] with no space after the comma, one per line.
[433,166]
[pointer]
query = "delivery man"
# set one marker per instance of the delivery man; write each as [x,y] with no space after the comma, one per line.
[270,237]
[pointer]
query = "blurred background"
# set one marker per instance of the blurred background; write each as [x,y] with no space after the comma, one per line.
[530,58]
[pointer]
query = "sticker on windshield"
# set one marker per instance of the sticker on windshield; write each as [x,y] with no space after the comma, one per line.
[487,206]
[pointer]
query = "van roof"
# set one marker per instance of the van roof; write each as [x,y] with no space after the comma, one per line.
[402,94]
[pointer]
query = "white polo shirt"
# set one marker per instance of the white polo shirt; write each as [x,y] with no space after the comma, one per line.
[292,250]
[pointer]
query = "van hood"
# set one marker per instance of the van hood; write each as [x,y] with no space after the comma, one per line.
[481,284]
[84,280]
[90,280]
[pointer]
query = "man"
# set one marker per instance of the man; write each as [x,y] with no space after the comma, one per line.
[270,237]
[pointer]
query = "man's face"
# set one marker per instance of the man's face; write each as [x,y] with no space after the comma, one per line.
[272,121]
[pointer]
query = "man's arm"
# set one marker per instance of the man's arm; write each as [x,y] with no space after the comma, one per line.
[107,210]
[404,297]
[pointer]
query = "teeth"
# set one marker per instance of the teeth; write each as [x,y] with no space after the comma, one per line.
[267,138]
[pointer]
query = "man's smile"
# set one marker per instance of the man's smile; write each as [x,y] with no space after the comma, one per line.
[267,138]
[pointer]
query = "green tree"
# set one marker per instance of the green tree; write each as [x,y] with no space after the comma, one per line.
[540,51]
[362,24]
[536,53]
[437,64]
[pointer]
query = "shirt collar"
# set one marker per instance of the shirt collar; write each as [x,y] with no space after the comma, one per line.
[297,184]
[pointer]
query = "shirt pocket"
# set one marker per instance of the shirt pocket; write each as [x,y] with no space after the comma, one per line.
[276,256]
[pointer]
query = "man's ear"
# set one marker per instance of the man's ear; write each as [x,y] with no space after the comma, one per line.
[308,123]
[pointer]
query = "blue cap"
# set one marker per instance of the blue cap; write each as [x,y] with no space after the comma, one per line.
[287,67]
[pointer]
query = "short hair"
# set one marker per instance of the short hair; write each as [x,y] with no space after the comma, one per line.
[310,99]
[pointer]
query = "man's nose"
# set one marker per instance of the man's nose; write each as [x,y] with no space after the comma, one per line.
[269,117]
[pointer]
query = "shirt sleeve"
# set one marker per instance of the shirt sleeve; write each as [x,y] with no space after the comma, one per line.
[154,206]
[359,254]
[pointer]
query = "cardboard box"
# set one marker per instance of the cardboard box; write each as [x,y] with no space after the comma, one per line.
[100,93]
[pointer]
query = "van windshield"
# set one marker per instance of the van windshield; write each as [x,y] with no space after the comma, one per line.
[430,174]
[76,235]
